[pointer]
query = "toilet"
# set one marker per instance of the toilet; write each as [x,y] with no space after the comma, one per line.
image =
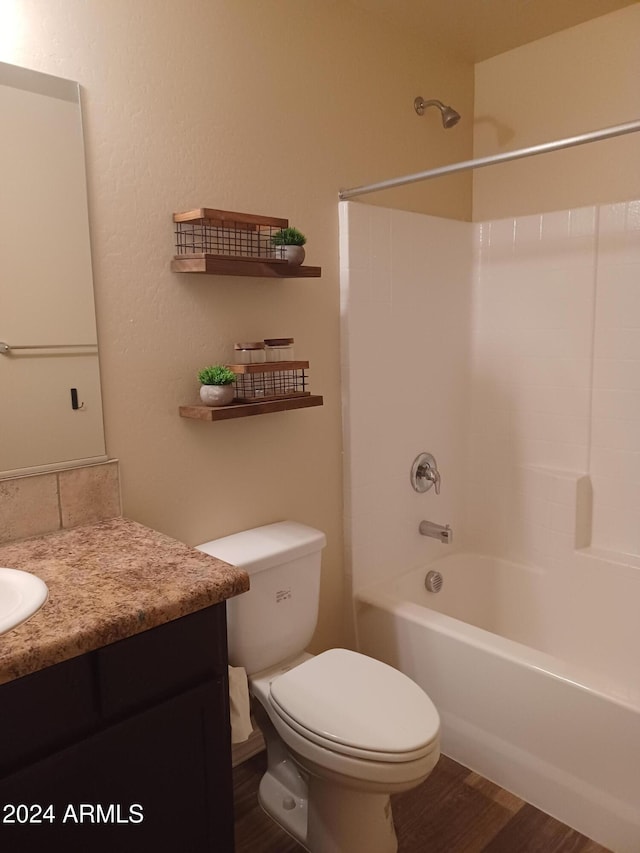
[343,731]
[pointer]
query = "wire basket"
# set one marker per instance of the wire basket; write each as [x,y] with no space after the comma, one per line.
[275,381]
[225,234]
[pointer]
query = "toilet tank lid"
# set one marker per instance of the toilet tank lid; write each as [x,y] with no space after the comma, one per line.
[264,547]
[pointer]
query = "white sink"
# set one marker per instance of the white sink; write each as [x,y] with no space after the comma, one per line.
[21,594]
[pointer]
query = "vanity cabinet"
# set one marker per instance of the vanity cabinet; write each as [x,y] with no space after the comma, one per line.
[125,748]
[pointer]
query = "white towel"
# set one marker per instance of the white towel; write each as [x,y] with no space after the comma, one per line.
[239,708]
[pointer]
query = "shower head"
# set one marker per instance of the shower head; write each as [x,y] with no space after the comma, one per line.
[449,115]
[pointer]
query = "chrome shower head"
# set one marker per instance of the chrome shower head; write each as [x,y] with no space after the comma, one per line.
[448,114]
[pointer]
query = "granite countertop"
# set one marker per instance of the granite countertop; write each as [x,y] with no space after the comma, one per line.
[107,581]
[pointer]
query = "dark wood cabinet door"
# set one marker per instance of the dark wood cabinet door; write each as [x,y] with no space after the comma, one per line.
[159,780]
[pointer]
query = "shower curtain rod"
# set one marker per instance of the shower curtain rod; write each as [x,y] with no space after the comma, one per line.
[543,148]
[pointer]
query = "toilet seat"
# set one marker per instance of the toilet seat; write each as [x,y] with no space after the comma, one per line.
[357,706]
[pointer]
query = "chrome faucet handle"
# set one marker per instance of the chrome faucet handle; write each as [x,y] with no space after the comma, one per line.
[424,473]
[434,475]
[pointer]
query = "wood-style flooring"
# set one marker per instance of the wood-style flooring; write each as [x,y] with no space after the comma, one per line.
[453,811]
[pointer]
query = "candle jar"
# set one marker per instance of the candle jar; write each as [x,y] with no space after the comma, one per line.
[250,353]
[279,349]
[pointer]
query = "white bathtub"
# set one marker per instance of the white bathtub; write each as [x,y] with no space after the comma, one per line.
[536,676]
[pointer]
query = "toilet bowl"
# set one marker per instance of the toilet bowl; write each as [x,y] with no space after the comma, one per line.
[354,731]
[343,731]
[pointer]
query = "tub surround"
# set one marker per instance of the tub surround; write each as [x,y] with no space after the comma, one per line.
[399,287]
[107,581]
[521,376]
[554,385]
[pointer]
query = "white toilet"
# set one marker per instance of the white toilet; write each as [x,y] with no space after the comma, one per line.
[343,731]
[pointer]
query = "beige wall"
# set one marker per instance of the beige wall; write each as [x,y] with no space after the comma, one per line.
[575,81]
[265,107]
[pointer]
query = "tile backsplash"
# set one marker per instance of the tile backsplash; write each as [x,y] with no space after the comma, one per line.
[37,504]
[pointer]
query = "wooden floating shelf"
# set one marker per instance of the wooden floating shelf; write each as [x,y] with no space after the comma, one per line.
[216,265]
[223,242]
[245,410]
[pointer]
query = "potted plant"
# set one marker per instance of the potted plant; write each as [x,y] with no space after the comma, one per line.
[289,243]
[217,385]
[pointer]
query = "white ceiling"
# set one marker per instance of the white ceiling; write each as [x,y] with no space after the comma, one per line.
[479,29]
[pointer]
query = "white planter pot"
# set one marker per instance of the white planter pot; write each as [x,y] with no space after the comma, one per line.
[216,395]
[292,254]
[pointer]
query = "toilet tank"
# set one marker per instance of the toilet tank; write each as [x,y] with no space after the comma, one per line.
[276,618]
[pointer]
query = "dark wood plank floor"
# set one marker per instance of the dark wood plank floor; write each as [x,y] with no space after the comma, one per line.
[453,811]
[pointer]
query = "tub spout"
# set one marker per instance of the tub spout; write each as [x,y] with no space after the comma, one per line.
[437,531]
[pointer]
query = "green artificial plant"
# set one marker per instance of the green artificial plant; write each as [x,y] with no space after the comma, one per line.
[288,237]
[216,374]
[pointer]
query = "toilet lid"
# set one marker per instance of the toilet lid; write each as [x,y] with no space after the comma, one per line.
[357,704]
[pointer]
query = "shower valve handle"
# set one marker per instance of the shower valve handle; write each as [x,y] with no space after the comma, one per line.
[434,475]
[424,473]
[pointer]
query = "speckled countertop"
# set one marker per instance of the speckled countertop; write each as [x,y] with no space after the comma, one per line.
[107,581]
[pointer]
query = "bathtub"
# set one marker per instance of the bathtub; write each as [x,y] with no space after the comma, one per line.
[536,675]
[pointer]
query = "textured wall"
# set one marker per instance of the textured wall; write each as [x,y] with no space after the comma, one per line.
[265,107]
[573,82]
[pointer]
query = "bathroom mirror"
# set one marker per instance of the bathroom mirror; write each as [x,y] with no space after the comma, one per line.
[49,374]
